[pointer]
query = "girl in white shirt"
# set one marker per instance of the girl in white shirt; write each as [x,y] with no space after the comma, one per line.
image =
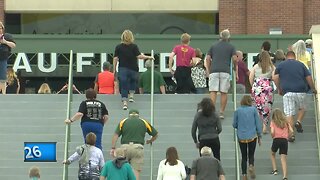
[171,168]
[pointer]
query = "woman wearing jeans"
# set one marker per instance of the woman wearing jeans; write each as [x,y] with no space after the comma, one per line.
[209,127]
[248,124]
[127,54]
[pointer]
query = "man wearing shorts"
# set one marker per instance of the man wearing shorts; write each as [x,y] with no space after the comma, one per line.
[292,79]
[218,63]
[133,130]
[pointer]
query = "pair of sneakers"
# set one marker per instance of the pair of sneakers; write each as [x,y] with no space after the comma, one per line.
[125,104]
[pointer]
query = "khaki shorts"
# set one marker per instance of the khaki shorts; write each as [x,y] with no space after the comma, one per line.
[135,155]
[219,82]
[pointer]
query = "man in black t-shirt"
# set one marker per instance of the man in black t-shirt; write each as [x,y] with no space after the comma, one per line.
[93,114]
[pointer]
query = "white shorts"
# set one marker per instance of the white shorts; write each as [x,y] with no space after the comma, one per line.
[291,101]
[219,82]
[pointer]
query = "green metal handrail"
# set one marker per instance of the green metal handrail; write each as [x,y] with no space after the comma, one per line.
[236,144]
[67,133]
[151,113]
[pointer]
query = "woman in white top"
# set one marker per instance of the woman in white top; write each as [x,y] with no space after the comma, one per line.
[90,159]
[171,168]
[261,81]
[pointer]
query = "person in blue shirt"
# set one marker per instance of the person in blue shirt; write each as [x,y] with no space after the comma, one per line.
[249,127]
[293,80]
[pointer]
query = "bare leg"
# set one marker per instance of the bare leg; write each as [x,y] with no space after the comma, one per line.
[224,99]
[284,165]
[290,120]
[3,87]
[137,174]
[300,115]
[264,128]
[273,160]
[213,96]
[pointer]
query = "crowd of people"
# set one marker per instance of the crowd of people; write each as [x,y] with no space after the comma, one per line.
[288,73]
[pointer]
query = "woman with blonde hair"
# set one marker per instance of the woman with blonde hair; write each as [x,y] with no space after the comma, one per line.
[13,84]
[44,89]
[127,54]
[302,55]
[261,81]
[280,132]
[171,168]
[6,44]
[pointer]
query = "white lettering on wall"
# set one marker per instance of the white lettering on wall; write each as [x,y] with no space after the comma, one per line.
[81,62]
[103,58]
[250,59]
[53,62]
[164,62]
[22,62]
[141,65]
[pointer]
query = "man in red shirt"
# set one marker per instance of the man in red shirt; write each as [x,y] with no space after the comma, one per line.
[105,82]
[243,73]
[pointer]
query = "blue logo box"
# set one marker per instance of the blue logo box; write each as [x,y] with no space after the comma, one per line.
[40,152]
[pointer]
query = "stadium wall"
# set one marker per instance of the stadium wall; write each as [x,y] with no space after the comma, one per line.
[257,17]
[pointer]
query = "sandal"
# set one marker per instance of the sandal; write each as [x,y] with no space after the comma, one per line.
[292,138]
[285,178]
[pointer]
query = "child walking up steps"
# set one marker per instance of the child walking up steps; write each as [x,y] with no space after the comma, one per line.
[280,132]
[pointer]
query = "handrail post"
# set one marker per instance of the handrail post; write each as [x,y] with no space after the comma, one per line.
[234,96]
[151,113]
[67,133]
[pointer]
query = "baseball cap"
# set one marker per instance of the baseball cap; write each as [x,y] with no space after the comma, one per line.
[133,111]
[308,41]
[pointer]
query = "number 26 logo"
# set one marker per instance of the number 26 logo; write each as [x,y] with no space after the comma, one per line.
[32,152]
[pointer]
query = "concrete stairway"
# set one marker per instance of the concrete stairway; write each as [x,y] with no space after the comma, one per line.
[26,118]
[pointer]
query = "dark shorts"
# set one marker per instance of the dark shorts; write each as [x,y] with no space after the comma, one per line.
[281,144]
[3,71]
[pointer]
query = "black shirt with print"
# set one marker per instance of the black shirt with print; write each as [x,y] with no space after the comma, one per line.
[93,111]
[127,54]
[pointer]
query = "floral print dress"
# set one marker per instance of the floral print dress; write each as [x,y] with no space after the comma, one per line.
[262,94]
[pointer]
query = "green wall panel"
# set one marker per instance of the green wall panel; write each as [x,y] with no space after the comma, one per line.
[160,43]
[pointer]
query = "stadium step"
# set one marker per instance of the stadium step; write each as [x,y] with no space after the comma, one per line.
[40,118]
